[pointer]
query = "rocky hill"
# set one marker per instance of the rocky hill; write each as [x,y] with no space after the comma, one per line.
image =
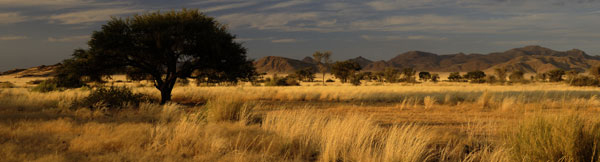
[528,59]
[38,71]
[276,64]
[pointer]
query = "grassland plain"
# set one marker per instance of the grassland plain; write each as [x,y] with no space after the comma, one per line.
[373,122]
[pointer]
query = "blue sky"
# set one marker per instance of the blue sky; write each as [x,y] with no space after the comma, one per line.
[35,32]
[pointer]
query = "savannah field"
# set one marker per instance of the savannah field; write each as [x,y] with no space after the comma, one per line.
[373,122]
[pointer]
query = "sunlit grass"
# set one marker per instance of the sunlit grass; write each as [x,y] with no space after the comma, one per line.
[421,122]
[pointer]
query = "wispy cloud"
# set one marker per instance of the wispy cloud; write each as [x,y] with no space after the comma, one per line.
[387,5]
[287,4]
[280,21]
[393,38]
[12,37]
[229,6]
[69,38]
[518,43]
[287,40]
[11,18]
[90,16]
[56,3]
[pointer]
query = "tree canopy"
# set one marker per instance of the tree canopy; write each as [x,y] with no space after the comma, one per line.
[323,60]
[345,69]
[474,75]
[555,75]
[167,46]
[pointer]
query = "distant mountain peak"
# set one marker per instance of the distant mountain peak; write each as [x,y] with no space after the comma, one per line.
[363,62]
[534,50]
[533,58]
[309,60]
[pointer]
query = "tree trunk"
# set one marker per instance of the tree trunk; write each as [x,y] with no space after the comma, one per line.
[323,78]
[165,95]
[165,90]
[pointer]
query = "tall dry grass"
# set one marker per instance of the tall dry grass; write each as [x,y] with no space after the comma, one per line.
[232,126]
[555,138]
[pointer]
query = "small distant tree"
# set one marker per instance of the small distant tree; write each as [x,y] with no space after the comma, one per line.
[408,74]
[571,75]
[541,77]
[424,76]
[435,77]
[323,61]
[491,79]
[345,69]
[585,81]
[555,75]
[306,74]
[501,73]
[391,75]
[475,76]
[517,76]
[379,76]
[454,77]
[355,79]
[368,76]
[595,71]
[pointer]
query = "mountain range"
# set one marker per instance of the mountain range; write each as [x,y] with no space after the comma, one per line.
[529,59]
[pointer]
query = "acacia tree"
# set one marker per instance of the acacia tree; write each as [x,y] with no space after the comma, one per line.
[323,60]
[555,75]
[306,74]
[170,45]
[345,69]
[475,76]
[424,76]
[454,77]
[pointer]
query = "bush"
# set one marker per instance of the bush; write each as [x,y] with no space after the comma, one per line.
[330,80]
[286,81]
[584,81]
[36,82]
[113,97]
[567,138]
[355,80]
[6,85]
[46,86]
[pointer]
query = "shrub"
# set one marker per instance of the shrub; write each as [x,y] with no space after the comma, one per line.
[330,80]
[46,86]
[290,81]
[354,80]
[567,138]
[454,77]
[286,81]
[37,81]
[113,97]
[584,81]
[475,76]
[6,85]
[555,75]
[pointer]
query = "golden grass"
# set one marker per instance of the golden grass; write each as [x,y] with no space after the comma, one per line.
[421,122]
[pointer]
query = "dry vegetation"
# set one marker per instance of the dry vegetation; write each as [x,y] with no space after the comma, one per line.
[420,122]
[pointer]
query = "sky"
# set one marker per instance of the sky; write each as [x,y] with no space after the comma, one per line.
[36,32]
